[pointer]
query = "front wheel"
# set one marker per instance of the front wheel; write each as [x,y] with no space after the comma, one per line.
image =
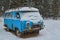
[17,32]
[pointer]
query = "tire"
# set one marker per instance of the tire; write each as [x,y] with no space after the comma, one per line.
[6,28]
[17,32]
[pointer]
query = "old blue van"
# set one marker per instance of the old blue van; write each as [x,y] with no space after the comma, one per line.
[23,20]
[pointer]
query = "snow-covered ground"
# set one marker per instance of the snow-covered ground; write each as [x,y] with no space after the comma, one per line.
[50,32]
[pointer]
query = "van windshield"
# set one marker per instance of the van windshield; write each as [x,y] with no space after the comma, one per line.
[30,15]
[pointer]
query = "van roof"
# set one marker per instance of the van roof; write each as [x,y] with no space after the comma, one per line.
[23,9]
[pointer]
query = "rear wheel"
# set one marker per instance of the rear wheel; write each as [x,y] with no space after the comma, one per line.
[6,28]
[17,32]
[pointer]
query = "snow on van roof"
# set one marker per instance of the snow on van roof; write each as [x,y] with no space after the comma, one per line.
[23,9]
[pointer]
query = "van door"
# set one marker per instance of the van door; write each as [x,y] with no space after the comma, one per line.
[16,21]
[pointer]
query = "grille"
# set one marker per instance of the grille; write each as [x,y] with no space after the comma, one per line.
[35,26]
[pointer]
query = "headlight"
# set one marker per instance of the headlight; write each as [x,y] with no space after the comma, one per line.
[27,24]
[40,22]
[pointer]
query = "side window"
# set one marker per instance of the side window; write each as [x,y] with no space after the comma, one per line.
[17,15]
[8,15]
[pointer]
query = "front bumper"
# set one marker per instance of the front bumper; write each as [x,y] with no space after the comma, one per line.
[33,29]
